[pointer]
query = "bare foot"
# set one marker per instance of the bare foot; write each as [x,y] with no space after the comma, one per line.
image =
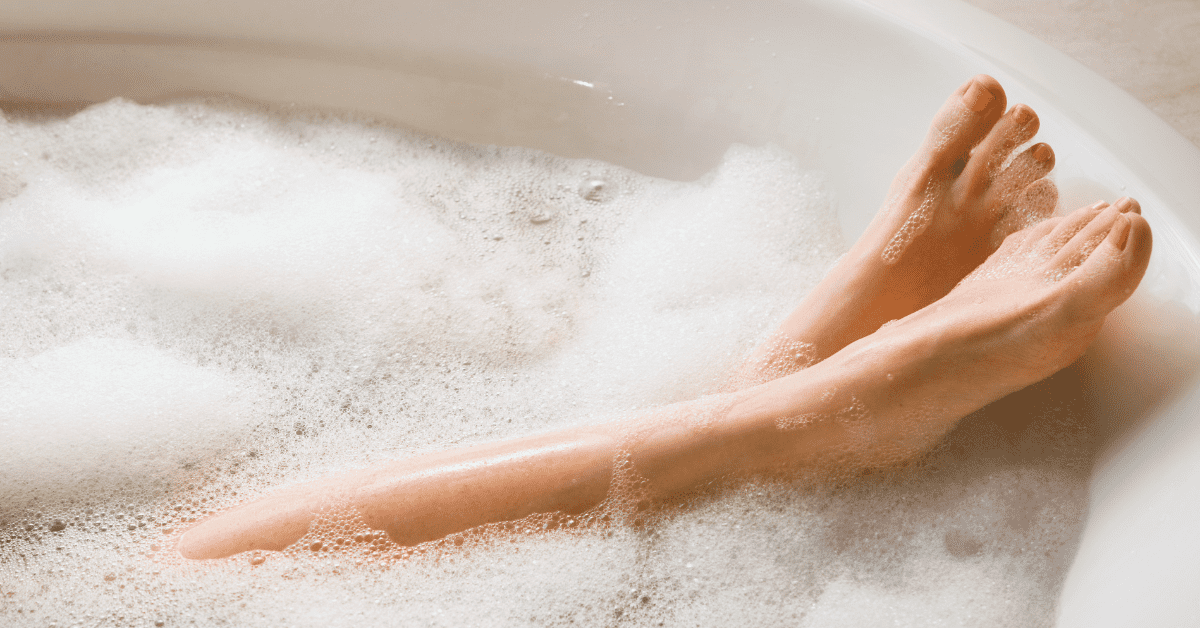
[947,211]
[1030,310]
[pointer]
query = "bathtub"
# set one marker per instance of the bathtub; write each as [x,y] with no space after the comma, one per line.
[664,88]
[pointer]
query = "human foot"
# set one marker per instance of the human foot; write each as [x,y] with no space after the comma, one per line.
[947,210]
[1030,310]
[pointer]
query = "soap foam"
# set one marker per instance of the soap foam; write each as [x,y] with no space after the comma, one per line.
[206,301]
[104,415]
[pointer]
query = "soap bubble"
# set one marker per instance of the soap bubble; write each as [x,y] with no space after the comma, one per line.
[205,303]
[596,190]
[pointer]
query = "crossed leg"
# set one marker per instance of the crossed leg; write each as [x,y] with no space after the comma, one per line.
[1029,310]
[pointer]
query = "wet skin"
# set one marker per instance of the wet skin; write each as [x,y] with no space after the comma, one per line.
[974,316]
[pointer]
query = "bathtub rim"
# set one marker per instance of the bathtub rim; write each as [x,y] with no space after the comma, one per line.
[1157,154]
[1132,500]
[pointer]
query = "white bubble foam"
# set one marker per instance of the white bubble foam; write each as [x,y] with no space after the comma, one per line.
[206,301]
[99,414]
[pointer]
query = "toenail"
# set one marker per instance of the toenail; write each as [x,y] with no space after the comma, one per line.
[1024,115]
[1122,229]
[1042,152]
[977,97]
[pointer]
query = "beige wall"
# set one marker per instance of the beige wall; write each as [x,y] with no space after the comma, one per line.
[1149,48]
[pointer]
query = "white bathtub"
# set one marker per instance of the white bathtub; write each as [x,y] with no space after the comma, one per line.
[664,87]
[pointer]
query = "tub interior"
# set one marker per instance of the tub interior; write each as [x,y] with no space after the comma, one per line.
[664,88]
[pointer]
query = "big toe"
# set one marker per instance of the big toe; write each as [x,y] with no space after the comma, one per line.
[963,121]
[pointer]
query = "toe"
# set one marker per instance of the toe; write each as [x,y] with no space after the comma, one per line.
[963,121]
[1038,201]
[1031,165]
[1080,246]
[1113,270]
[1036,233]
[1069,226]
[1016,127]
[1127,204]
[1032,206]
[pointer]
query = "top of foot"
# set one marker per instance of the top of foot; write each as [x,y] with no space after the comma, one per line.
[946,211]
[1027,312]
[1030,310]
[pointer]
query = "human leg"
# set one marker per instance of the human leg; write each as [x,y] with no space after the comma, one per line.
[1031,309]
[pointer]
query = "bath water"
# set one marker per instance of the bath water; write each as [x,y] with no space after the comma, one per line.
[207,300]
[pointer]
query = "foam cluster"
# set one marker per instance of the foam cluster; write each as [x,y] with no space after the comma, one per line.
[205,301]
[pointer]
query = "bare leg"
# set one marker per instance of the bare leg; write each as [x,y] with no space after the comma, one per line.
[947,210]
[1031,309]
